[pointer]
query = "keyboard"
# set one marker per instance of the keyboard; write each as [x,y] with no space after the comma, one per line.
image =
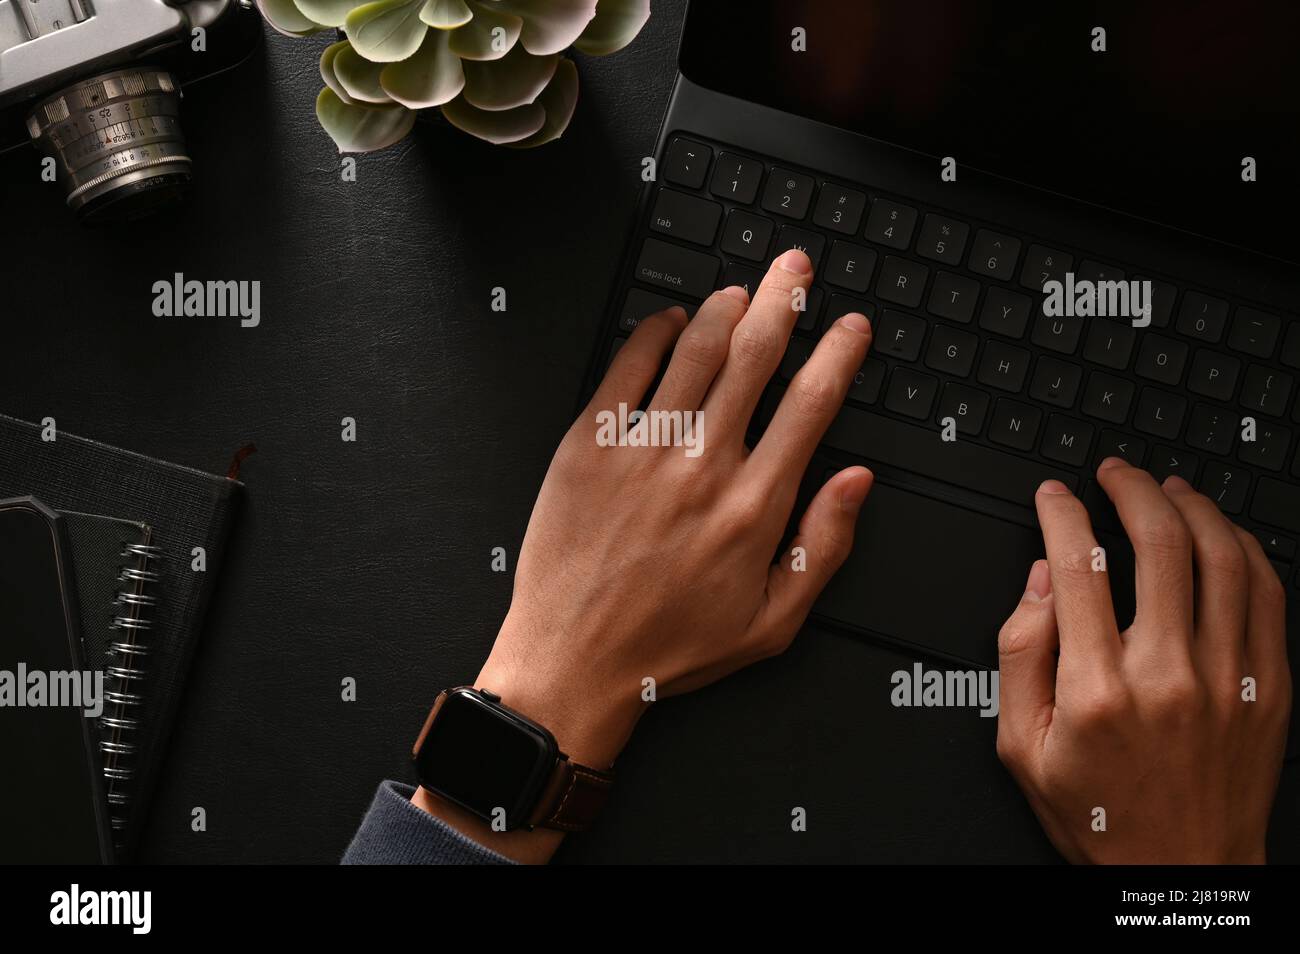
[960,334]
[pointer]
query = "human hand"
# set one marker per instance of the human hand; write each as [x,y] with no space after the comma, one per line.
[1151,725]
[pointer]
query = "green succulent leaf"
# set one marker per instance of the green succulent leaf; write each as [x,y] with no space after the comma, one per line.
[446,14]
[550,26]
[387,30]
[329,12]
[327,69]
[287,18]
[615,25]
[359,77]
[511,81]
[559,100]
[359,127]
[499,127]
[430,77]
[476,40]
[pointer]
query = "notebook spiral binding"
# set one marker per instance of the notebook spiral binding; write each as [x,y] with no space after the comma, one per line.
[128,652]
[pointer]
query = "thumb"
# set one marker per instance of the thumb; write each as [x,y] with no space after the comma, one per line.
[820,547]
[1027,651]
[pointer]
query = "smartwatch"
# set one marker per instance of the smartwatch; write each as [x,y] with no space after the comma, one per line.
[504,767]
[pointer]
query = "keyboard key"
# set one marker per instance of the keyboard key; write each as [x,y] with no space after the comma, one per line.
[866,385]
[736,178]
[1003,366]
[891,223]
[1160,413]
[742,275]
[1005,312]
[686,217]
[850,266]
[839,209]
[911,393]
[1067,440]
[901,281]
[1214,375]
[640,304]
[899,336]
[1226,486]
[811,313]
[1091,271]
[1212,429]
[1163,296]
[1291,347]
[747,236]
[1115,444]
[1203,317]
[1276,546]
[1161,359]
[1110,343]
[1277,504]
[788,193]
[966,406]
[942,239]
[1266,391]
[686,162]
[1254,332]
[1055,382]
[1058,334]
[1168,462]
[994,255]
[1268,449]
[796,356]
[676,268]
[810,243]
[984,470]
[1043,265]
[842,305]
[1107,398]
[1014,424]
[951,351]
[953,297]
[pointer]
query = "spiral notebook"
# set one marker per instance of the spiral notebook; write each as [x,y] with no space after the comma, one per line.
[134,523]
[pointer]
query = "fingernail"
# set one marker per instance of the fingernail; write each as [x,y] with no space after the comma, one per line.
[738,293]
[1178,485]
[855,491]
[855,322]
[1110,462]
[1040,581]
[1053,487]
[793,260]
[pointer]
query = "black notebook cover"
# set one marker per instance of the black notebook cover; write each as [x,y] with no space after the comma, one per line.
[183,507]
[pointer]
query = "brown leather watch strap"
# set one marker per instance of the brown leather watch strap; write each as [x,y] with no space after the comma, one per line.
[572,798]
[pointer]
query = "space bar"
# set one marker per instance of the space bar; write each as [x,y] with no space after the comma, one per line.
[920,450]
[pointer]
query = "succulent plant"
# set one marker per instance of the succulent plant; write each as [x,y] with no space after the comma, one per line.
[495,68]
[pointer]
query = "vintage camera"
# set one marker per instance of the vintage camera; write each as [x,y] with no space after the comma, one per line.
[96,85]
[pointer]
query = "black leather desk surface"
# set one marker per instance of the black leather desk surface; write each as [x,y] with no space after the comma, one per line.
[371,559]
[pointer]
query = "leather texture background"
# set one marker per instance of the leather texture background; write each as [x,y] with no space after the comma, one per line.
[371,559]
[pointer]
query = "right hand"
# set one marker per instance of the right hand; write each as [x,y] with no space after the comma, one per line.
[1151,724]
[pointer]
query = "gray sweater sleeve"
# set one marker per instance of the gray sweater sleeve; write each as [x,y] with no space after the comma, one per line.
[396,832]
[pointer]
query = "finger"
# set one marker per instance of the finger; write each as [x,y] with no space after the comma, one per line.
[1085,615]
[757,345]
[811,403]
[1162,552]
[1222,573]
[700,351]
[1265,613]
[638,362]
[1027,647]
[823,542]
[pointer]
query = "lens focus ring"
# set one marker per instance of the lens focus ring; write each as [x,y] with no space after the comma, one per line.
[116,139]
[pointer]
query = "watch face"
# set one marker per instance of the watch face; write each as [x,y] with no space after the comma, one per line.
[485,759]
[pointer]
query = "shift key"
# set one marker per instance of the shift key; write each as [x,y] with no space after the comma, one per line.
[671,266]
[1277,504]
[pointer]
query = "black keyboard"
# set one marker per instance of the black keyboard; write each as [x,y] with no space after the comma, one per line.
[960,333]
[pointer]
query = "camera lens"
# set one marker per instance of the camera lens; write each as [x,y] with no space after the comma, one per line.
[117,142]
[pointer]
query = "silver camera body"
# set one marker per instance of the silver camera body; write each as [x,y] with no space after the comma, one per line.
[96,84]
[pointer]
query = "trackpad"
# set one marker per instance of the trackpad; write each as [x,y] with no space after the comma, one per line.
[932,574]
